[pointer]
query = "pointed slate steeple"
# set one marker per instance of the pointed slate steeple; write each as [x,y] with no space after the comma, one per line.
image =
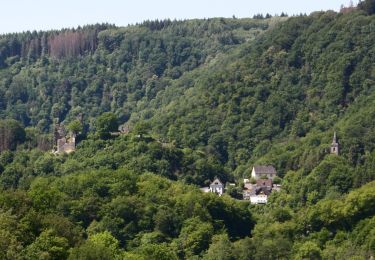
[335,145]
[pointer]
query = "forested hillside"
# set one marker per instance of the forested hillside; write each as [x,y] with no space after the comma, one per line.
[201,98]
[90,70]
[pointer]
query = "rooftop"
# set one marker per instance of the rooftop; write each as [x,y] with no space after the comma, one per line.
[216,182]
[264,169]
[264,183]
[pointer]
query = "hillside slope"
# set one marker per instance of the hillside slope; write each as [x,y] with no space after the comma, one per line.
[60,74]
[205,98]
[301,77]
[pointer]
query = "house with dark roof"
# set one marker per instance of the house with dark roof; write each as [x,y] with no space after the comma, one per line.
[257,192]
[260,171]
[260,195]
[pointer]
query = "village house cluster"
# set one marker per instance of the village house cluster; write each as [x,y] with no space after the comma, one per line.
[255,190]
[261,185]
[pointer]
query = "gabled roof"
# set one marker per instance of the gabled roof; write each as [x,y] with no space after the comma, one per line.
[264,169]
[264,183]
[334,140]
[263,190]
[216,182]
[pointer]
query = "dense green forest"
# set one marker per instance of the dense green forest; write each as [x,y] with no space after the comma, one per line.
[202,99]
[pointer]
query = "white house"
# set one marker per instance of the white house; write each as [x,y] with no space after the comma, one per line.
[260,171]
[217,187]
[259,199]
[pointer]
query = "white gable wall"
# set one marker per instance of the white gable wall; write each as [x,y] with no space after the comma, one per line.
[217,189]
[258,199]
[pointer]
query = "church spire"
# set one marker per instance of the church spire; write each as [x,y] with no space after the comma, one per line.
[335,145]
[334,141]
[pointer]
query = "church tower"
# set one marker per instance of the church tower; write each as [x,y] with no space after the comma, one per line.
[335,145]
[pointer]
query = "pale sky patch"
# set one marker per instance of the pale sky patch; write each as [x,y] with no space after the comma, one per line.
[23,15]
